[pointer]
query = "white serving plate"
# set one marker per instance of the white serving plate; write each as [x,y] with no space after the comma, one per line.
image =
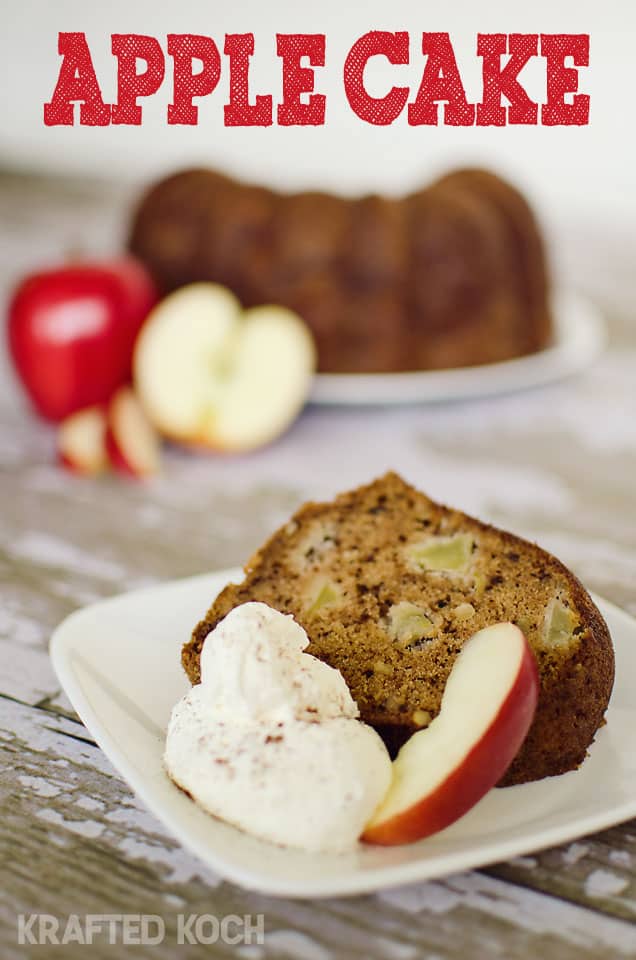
[118,661]
[580,337]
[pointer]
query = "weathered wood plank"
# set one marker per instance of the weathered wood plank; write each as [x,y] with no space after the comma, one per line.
[58,549]
[598,871]
[67,541]
[76,840]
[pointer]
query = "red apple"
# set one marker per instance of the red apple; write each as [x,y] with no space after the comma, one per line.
[81,441]
[72,332]
[132,443]
[441,772]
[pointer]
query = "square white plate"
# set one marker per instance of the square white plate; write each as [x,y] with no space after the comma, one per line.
[118,661]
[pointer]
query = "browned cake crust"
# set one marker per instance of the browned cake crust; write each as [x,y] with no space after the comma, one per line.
[525,246]
[453,275]
[363,576]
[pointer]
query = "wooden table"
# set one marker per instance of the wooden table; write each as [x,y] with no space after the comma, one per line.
[557,464]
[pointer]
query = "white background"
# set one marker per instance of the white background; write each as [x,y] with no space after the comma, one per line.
[564,169]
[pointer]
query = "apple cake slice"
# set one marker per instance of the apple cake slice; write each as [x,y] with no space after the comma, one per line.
[389,585]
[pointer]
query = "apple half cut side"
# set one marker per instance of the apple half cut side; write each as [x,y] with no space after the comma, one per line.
[441,772]
[214,376]
[81,441]
[132,443]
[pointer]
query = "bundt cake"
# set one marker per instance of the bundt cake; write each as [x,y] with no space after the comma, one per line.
[389,585]
[453,275]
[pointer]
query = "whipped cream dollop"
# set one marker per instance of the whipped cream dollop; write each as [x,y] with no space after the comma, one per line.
[270,741]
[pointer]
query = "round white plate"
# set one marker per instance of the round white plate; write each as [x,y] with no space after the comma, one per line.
[119,663]
[580,336]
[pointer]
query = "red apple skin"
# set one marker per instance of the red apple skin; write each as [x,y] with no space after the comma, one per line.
[71,332]
[480,770]
[116,458]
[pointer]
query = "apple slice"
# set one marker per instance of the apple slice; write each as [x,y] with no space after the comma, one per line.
[81,441]
[210,375]
[132,442]
[441,772]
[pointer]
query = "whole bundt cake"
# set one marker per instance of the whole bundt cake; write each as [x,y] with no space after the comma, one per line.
[453,275]
[389,585]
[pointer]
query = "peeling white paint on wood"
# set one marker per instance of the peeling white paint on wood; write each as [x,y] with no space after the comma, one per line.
[43,550]
[525,908]
[575,852]
[85,828]
[622,858]
[89,803]
[602,883]
[182,867]
[293,943]
[39,785]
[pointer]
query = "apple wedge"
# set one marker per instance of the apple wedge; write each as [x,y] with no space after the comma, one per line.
[132,443]
[81,441]
[441,772]
[214,376]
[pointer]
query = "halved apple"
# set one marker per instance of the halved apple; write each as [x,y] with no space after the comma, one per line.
[81,441]
[211,375]
[441,772]
[132,443]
